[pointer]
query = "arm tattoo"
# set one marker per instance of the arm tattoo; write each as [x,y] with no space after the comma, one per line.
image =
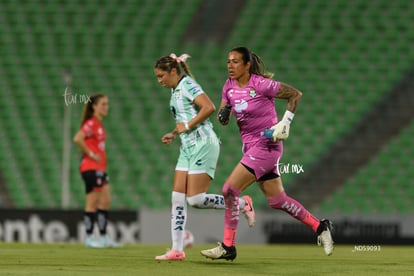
[291,94]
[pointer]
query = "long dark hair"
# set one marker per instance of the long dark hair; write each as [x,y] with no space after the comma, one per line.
[257,65]
[88,108]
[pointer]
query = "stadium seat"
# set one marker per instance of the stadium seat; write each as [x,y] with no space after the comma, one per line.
[319,48]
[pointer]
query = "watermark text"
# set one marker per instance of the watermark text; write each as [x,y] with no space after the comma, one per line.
[71,98]
[366,248]
[286,168]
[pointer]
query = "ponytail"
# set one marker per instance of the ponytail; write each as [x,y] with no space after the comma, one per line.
[87,112]
[257,65]
[167,63]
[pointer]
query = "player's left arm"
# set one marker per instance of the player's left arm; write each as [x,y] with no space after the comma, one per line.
[293,95]
[290,93]
[79,140]
[206,108]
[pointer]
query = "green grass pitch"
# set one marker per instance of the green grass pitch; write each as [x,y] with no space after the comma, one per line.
[74,259]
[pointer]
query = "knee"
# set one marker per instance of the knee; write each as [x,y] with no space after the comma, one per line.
[277,201]
[92,201]
[197,201]
[104,203]
[225,190]
[104,198]
[229,190]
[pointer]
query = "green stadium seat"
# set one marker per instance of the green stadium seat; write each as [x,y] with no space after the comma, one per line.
[116,54]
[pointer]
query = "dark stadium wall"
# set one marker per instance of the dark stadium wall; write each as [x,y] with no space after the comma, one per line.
[50,226]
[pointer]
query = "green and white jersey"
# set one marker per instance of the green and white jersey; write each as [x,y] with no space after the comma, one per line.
[184,109]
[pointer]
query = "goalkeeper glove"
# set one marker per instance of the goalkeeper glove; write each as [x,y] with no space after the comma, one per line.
[281,129]
[224,114]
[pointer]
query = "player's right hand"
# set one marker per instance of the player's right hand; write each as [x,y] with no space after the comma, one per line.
[224,114]
[168,138]
[96,157]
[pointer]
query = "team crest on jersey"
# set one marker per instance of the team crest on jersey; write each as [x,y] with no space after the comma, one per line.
[252,93]
[177,93]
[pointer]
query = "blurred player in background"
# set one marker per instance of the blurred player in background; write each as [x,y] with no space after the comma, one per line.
[249,93]
[91,140]
[199,151]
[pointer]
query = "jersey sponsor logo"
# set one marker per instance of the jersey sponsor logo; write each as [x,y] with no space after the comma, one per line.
[240,105]
[230,93]
[236,91]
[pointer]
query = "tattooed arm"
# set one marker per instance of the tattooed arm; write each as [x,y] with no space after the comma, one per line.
[281,129]
[291,94]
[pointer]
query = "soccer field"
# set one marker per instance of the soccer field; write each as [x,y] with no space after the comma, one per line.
[74,259]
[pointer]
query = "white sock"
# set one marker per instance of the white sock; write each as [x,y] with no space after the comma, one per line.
[206,201]
[242,203]
[211,201]
[178,220]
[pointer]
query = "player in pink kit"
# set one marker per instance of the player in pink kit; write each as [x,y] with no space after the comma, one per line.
[249,94]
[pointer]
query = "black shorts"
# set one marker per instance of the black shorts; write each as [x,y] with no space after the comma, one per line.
[264,177]
[94,180]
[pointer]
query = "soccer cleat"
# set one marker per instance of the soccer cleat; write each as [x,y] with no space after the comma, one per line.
[325,230]
[91,242]
[248,211]
[107,242]
[171,255]
[228,253]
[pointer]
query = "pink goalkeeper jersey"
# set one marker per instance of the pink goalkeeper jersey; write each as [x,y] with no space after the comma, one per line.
[253,106]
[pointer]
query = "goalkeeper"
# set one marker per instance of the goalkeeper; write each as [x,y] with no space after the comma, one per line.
[249,94]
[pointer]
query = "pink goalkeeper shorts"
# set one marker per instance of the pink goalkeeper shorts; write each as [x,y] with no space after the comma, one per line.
[262,157]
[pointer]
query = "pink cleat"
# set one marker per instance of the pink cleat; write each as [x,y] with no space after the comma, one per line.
[248,211]
[171,255]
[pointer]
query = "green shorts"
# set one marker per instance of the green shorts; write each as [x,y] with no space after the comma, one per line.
[199,158]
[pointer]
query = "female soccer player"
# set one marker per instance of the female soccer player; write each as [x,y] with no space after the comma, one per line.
[91,140]
[250,92]
[199,151]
